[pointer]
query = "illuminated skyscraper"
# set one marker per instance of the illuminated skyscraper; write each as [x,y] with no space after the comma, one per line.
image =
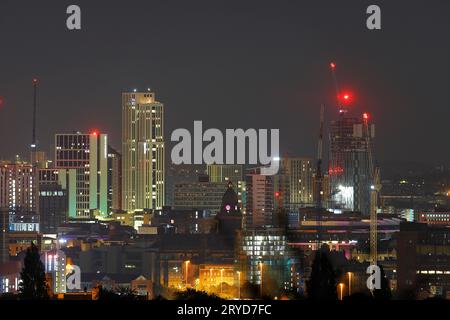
[297,188]
[349,164]
[259,200]
[143,181]
[114,180]
[82,163]
[19,196]
[53,201]
[18,187]
[225,173]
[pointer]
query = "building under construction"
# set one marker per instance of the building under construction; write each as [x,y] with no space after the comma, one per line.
[349,168]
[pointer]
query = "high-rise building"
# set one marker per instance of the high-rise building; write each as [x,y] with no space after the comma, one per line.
[82,163]
[18,187]
[53,201]
[225,173]
[181,173]
[295,182]
[259,200]
[114,180]
[19,202]
[143,180]
[349,164]
[201,195]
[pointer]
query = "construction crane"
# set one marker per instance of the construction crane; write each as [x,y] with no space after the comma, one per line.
[375,188]
[374,172]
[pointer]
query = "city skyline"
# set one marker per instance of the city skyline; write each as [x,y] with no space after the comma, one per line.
[224,150]
[287,74]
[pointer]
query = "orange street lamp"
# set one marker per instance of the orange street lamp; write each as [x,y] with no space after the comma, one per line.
[261,284]
[239,284]
[349,283]
[187,266]
[221,280]
[210,277]
[341,289]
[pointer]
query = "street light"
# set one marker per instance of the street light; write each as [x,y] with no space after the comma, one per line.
[221,280]
[341,288]
[187,265]
[349,283]
[261,284]
[239,284]
[210,278]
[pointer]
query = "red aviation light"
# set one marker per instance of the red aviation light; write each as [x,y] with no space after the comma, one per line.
[35,80]
[94,133]
[277,194]
[345,98]
[366,116]
[335,170]
[332,65]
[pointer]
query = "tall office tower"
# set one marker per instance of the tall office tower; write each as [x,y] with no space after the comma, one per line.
[114,180]
[298,172]
[53,201]
[201,195]
[225,172]
[259,200]
[181,173]
[82,163]
[349,164]
[143,180]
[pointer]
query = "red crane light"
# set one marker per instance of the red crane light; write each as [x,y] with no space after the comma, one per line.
[345,98]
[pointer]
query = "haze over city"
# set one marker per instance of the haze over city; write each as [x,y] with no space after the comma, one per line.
[231,64]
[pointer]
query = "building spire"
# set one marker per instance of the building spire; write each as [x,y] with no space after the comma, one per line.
[33,139]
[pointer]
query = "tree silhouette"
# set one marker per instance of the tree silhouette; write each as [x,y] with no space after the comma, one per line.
[33,285]
[120,293]
[249,290]
[322,283]
[192,294]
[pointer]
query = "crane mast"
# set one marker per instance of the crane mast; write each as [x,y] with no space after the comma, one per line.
[375,188]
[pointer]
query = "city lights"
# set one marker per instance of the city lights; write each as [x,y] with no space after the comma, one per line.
[256,171]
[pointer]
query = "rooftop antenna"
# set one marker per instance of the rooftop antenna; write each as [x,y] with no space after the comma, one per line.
[33,139]
[319,177]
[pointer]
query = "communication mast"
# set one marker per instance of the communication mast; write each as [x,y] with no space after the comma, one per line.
[319,177]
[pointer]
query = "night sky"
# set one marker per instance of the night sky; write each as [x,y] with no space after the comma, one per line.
[234,63]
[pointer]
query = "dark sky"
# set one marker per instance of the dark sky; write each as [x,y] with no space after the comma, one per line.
[233,63]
